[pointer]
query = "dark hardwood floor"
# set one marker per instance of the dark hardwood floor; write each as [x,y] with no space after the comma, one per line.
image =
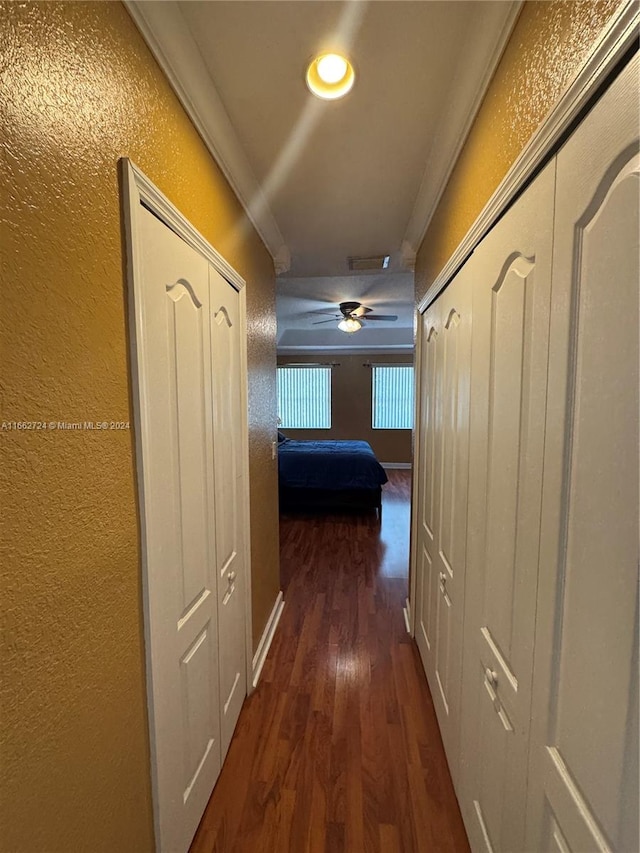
[338,749]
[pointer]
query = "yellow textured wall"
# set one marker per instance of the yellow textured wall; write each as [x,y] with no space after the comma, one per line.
[79,89]
[549,43]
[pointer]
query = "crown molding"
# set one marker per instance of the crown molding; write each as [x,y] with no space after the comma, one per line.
[407,256]
[140,189]
[485,44]
[282,260]
[608,51]
[387,349]
[168,37]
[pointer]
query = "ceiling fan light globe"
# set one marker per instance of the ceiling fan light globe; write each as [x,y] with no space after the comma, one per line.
[349,325]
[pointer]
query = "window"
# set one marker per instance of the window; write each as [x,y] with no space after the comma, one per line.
[392,394]
[304,396]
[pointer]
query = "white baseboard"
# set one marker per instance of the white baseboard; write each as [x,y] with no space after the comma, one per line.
[407,615]
[398,466]
[266,639]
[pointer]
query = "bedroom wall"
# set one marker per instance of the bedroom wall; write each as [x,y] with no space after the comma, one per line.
[80,89]
[548,45]
[351,405]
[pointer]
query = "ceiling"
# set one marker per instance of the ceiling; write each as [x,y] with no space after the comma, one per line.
[325,181]
[302,302]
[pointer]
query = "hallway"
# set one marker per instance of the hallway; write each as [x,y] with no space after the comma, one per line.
[338,749]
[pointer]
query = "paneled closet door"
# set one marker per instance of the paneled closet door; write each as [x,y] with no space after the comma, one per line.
[584,751]
[177,440]
[445,354]
[426,586]
[511,272]
[226,343]
[189,386]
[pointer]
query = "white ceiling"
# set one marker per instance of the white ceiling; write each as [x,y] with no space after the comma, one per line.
[323,181]
[302,302]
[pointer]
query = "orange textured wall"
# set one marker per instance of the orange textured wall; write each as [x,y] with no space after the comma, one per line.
[79,90]
[549,43]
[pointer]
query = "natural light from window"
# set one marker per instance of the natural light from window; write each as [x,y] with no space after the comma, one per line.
[304,397]
[392,396]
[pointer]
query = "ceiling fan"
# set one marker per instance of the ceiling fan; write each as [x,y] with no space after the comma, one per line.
[353,315]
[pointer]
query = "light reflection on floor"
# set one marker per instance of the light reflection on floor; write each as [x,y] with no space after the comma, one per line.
[383,547]
[394,530]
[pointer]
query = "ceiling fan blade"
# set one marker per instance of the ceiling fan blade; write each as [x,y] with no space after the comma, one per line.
[318,322]
[327,313]
[389,317]
[362,311]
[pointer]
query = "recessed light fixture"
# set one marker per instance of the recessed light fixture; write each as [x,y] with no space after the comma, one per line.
[330,76]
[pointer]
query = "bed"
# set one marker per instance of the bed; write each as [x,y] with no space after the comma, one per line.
[329,474]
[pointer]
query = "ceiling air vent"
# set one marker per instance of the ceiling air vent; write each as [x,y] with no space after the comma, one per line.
[375,262]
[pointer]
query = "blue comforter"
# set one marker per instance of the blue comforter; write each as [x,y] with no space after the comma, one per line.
[329,465]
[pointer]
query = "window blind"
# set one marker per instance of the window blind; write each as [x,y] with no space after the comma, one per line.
[304,397]
[392,396]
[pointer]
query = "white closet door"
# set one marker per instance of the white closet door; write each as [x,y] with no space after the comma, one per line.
[173,359]
[584,779]
[230,526]
[443,505]
[511,272]
[426,584]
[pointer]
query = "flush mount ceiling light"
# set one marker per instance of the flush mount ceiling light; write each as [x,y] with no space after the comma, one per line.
[349,324]
[330,76]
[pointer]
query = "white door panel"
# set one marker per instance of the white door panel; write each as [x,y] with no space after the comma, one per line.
[511,303]
[187,339]
[495,761]
[544,556]
[179,518]
[225,351]
[444,629]
[517,352]
[427,581]
[452,424]
[444,419]
[584,780]
[426,608]
[427,423]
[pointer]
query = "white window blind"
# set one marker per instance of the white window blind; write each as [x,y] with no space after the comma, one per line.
[392,396]
[304,397]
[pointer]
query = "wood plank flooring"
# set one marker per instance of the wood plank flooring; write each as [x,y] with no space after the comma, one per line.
[338,749]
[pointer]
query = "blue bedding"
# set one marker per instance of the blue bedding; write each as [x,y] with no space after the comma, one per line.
[328,465]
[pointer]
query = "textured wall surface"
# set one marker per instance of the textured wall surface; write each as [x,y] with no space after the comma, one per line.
[79,90]
[547,47]
[351,405]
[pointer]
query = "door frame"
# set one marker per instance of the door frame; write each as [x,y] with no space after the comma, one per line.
[138,191]
[607,53]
